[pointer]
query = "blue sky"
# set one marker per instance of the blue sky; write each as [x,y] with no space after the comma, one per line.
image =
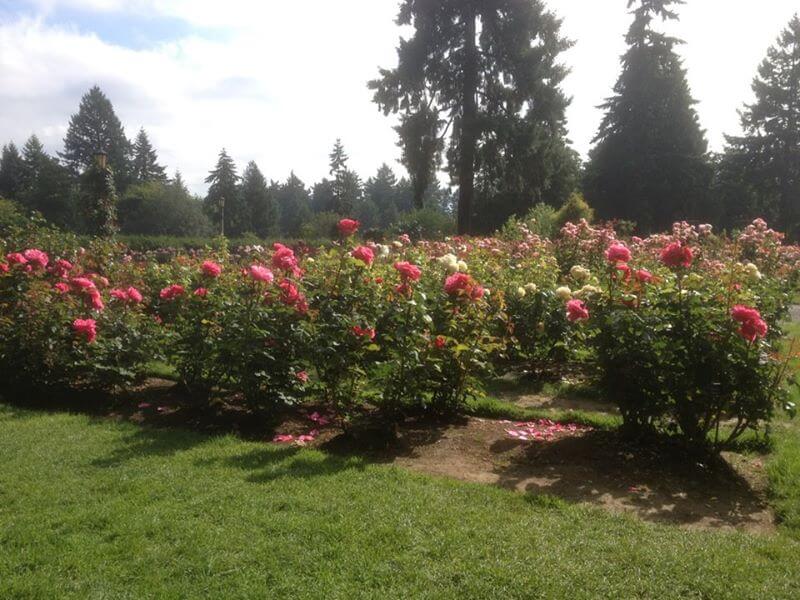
[279,81]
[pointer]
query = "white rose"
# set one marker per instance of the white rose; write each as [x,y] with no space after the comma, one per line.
[564,293]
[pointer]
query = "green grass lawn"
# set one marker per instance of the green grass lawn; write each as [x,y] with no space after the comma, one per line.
[93,508]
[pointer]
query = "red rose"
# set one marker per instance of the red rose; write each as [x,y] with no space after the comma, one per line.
[677,255]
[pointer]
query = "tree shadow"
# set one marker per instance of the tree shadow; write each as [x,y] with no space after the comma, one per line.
[658,484]
[268,463]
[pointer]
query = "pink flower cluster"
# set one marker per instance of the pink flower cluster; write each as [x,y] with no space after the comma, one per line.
[544,429]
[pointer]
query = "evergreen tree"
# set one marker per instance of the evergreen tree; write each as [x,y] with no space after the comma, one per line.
[12,172]
[257,198]
[178,183]
[53,192]
[223,204]
[381,197]
[346,184]
[760,172]
[144,166]
[649,163]
[34,157]
[96,128]
[496,94]
[292,199]
[99,199]
[323,197]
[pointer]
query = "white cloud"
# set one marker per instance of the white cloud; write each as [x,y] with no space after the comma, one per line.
[284,79]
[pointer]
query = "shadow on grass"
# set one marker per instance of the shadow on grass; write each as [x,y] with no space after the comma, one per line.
[658,483]
[269,463]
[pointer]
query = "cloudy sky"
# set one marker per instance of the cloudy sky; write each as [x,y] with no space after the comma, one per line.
[277,81]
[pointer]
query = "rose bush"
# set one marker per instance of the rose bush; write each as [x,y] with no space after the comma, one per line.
[679,327]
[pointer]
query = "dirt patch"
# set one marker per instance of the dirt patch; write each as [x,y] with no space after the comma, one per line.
[596,468]
[558,402]
[592,467]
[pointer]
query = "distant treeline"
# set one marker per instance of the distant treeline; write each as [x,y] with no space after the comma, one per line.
[477,92]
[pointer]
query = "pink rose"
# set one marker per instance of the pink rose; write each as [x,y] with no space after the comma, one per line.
[617,253]
[262,274]
[577,311]
[364,254]
[134,295]
[348,227]
[171,292]
[408,271]
[210,269]
[86,328]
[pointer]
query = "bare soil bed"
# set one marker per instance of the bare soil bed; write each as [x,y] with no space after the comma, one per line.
[592,467]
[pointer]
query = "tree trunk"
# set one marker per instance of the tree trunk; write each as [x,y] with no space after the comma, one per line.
[469,124]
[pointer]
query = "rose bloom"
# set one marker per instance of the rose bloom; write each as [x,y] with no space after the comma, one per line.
[62,287]
[302,376]
[752,325]
[348,227]
[3,268]
[36,258]
[364,332]
[134,295]
[618,252]
[440,342]
[82,283]
[577,311]
[408,271]
[364,254]
[96,300]
[201,292]
[260,273]
[119,294]
[61,267]
[15,258]
[211,269]
[676,255]
[457,283]
[284,258]
[751,330]
[172,292]
[87,328]
[742,314]
[644,276]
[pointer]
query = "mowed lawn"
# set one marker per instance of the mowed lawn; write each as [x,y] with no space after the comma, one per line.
[98,509]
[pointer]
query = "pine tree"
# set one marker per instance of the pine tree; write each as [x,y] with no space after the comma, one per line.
[292,199]
[144,166]
[760,172]
[96,128]
[223,204]
[649,163]
[34,157]
[258,200]
[178,183]
[495,93]
[346,184]
[12,172]
[381,193]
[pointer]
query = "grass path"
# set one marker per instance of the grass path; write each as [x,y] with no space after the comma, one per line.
[98,509]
